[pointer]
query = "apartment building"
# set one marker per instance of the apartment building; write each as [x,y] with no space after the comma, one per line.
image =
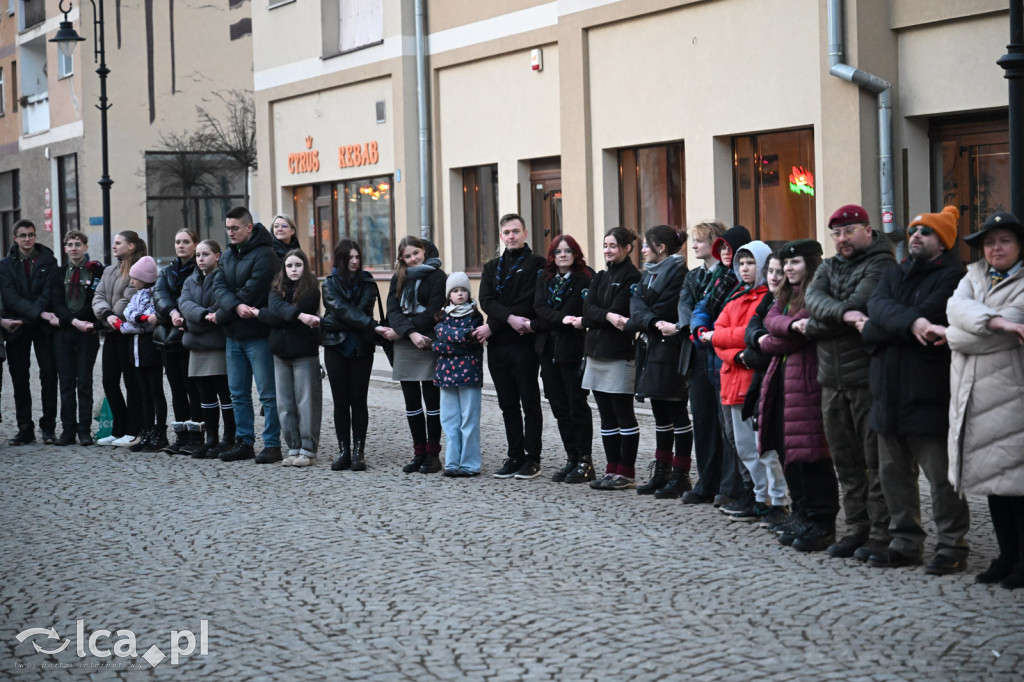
[165,59]
[585,114]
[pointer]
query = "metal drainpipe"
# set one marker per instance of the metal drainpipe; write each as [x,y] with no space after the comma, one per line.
[426,229]
[883,89]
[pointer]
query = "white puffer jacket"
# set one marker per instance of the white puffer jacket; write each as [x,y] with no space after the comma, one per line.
[986,409]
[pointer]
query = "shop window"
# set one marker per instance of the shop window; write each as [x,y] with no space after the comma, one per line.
[480,214]
[190,189]
[366,215]
[10,206]
[652,188]
[774,185]
[67,193]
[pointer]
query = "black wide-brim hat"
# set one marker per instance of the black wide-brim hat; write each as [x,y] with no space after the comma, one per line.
[1000,220]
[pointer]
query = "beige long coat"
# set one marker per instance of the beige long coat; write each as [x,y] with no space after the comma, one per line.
[986,409]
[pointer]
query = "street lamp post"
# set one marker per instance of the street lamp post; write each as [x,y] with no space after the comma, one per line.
[1013,63]
[67,40]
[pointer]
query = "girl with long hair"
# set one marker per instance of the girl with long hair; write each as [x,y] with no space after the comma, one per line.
[653,312]
[108,303]
[791,421]
[610,368]
[167,337]
[292,312]
[416,295]
[348,329]
[204,340]
[558,326]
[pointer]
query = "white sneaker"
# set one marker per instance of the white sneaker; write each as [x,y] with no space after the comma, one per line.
[125,441]
[106,440]
[289,459]
[302,461]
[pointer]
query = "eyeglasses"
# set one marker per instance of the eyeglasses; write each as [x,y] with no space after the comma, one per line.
[25,236]
[562,252]
[923,229]
[847,232]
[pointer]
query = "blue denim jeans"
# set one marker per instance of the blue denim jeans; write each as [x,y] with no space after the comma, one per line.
[460,417]
[248,359]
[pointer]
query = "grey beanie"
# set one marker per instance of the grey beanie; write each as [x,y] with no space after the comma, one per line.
[456,279]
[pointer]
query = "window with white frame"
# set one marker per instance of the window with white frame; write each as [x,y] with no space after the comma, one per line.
[3,102]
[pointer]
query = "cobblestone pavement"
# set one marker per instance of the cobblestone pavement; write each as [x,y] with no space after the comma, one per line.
[312,574]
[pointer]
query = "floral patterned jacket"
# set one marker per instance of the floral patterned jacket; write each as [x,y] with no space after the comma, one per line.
[459,356]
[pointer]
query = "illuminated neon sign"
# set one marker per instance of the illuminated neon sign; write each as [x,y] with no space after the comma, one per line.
[801,181]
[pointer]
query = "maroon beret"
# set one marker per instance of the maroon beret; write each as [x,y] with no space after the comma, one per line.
[851,214]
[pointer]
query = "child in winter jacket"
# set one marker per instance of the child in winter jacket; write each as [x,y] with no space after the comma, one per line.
[459,374]
[729,344]
[139,321]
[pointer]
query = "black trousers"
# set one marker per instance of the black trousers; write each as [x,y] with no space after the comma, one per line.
[707,431]
[568,402]
[19,350]
[117,363]
[76,357]
[154,403]
[350,383]
[185,400]
[513,369]
[814,488]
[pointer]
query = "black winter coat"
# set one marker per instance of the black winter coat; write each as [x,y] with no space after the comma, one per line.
[196,300]
[88,278]
[609,293]
[754,357]
[168,288]
[290,338]
[841,285]
[28,298]
[657,355]
[281,248]
[245,275]
[563,343]
[430,295]
[910,382]
[349,312]
[513,295]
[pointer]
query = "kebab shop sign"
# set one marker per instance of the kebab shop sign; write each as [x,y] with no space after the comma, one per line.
[349,156]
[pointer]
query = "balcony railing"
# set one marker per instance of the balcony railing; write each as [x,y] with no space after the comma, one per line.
[35,113]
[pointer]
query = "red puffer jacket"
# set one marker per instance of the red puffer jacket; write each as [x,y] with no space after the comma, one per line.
[730,328]
[791,384]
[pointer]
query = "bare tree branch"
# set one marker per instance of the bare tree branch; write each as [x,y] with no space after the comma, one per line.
[235,134]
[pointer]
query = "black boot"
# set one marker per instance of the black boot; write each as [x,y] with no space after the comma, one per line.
[180,430]
[658,479]
[144,440]
[432,463]
[207,449]
[67,437]
[678,483]
[343,460]
[419,453]
[571,460]
[158,440]
[358,455]
[583,472]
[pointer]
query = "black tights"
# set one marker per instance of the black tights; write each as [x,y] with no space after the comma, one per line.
[424,430]
[619,431]
[672,428]
[154,404]
[215,398]
[185,398]
[350,382]
[1008,521]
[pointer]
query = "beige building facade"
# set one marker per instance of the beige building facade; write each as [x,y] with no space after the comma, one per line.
[586,114]
[165,59]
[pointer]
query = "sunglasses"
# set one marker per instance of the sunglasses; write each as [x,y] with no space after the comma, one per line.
[924,230]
